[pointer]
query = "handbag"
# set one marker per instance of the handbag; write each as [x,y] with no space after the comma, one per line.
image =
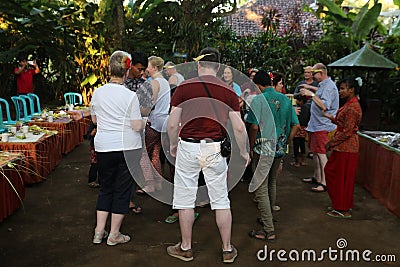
[226,147]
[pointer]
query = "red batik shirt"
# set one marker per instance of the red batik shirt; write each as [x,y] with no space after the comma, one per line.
[348,119]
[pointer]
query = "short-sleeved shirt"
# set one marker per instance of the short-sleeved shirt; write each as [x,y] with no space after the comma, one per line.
[198,119]
[283,114]
[329,94]
[115,106]
[25,81]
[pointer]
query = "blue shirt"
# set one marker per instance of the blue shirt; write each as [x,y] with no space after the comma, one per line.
[274,114]
[329,94]
[237,89]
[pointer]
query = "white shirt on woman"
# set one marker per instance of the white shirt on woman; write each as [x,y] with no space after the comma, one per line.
[114,107]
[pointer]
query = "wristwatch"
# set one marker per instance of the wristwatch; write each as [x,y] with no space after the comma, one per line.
[312,94]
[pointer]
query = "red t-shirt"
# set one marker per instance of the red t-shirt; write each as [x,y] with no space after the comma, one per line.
[25,81]
[198,119]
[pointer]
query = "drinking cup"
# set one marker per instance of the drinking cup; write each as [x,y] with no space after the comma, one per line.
[4,137]
[25,129]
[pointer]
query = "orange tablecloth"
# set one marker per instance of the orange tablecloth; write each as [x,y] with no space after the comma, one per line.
[41,157]
[9,200]
[84,125]
[379,172]
[69,132]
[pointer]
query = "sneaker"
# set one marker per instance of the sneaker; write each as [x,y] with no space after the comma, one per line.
[229,256]
[99,236]
[177,252]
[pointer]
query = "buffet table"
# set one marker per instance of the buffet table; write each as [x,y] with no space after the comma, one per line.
[69,132]
[379,171]
[42,154]
[12,190]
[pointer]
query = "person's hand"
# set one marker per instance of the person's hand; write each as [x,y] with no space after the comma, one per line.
[34,63]
[246,156]
[251,154]
[172,150]
[327,146]
[298,110]
[305,92]
[76,115]
[328,115]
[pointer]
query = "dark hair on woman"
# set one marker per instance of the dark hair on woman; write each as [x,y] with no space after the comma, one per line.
[262,78]
[277,78]
[351,83]
[355,83]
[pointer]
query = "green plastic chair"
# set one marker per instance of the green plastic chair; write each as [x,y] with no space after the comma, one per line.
[9,121]
[73,98]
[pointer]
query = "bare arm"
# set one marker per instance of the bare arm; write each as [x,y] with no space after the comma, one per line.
[309,87]
[252,137]
[76,115]
[293,131]
[315,98]
[173,80]
[137,125]
[94,119]
[155,85]
[239,129]
[37,70]
[19,70]
[173,126]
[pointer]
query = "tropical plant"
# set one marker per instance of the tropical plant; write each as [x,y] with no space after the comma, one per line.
[357,27]
[187,25]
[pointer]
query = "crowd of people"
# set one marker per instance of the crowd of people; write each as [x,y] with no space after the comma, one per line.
[145,99]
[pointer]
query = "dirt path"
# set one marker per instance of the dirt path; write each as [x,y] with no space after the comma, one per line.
[56,226]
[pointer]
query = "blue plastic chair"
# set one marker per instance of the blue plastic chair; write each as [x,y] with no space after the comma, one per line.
[3,128]
[21,108]
[73,98]
[28,100]
[36,99]
[9,121]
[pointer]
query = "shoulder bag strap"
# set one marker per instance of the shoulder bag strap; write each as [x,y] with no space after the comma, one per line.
[212,104]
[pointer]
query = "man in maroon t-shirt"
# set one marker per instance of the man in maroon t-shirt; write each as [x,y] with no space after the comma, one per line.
[24,73]
[198,149]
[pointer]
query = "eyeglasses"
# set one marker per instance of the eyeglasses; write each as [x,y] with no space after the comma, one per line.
[315,72]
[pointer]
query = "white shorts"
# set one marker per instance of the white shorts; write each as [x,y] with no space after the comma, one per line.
[191,158]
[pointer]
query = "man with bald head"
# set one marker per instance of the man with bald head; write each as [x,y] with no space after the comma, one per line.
[326,99]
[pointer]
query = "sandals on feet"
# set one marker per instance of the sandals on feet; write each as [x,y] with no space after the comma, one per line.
[295,164]
[136,209]
[319,188]
[263,235]
[338,214]
[99,236]
[118,238]
[171,219]
[94,184]
[310,180]
[174,219]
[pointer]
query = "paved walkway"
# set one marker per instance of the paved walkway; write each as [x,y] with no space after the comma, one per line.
[56,227]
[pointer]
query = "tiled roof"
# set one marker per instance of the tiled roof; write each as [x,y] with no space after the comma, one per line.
[247,20]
